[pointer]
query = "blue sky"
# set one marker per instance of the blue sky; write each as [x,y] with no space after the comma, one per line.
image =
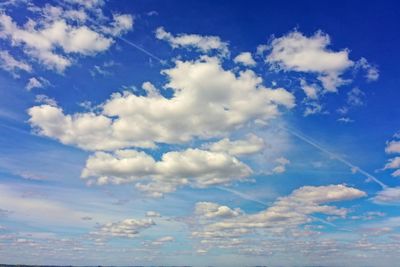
[223,133]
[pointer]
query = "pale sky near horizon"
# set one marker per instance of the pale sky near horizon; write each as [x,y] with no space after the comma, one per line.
[223,133]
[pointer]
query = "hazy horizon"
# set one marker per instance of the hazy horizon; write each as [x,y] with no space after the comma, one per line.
[199,133]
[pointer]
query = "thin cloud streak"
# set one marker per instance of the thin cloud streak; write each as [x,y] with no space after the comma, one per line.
[311,142]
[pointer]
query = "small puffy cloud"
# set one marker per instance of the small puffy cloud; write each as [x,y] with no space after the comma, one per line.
[245,58]
[312,108]
[211,210]
[44,99]
[345,120]
[393,147]
[201,43]
[162,240]
[194,167]
[208,102]
[372,72]
[389,195]
[251,145]
[393,163]
[121,24]
[38,82]
[12,65]
[311,91]
[355,97]
[281,167]
[297,52]
[89,4]
[128,228]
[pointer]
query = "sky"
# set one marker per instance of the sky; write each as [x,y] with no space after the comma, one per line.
[223,133]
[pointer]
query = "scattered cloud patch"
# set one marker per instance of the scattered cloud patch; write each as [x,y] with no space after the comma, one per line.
[251,145]
[297,52]
[194,167]
[245,59]
[285,214]
[53,37]
[128,228]
[36,82]
[208,102]
[12,65]
[204,44]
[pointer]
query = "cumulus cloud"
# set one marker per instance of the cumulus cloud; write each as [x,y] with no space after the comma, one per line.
[311,90]
[212,210]
[355,97]
[281,167]
[390,195]
[285,213]
[245,59]
[251,145]
[393,147]
[36,82]
[162,240]
[128,228]
[201,43]
[194,167]
[297,52]
[42,42]
[55,36]
[121,24]
[208,101]
[372,72]
[12,65]
[45,100]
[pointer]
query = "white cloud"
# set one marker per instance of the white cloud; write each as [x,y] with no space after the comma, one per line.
[345,120]
[355,97]
[194,167]
[128,228]
[296,52]
[311,90]
[285,213]
[281,167]
[12,65]
[372,72]
[251,145]
[58,34]
[393,147]
[89,4]
[208,101]
[46,100]
[121,24]
[38,82]
[245,58]
[312,108]
[211,210]
[162,240]
[393,163]
[201,43]
[390,195]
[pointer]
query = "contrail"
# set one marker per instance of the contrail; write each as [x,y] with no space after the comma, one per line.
[311,142]
[243,195]
[138,47]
